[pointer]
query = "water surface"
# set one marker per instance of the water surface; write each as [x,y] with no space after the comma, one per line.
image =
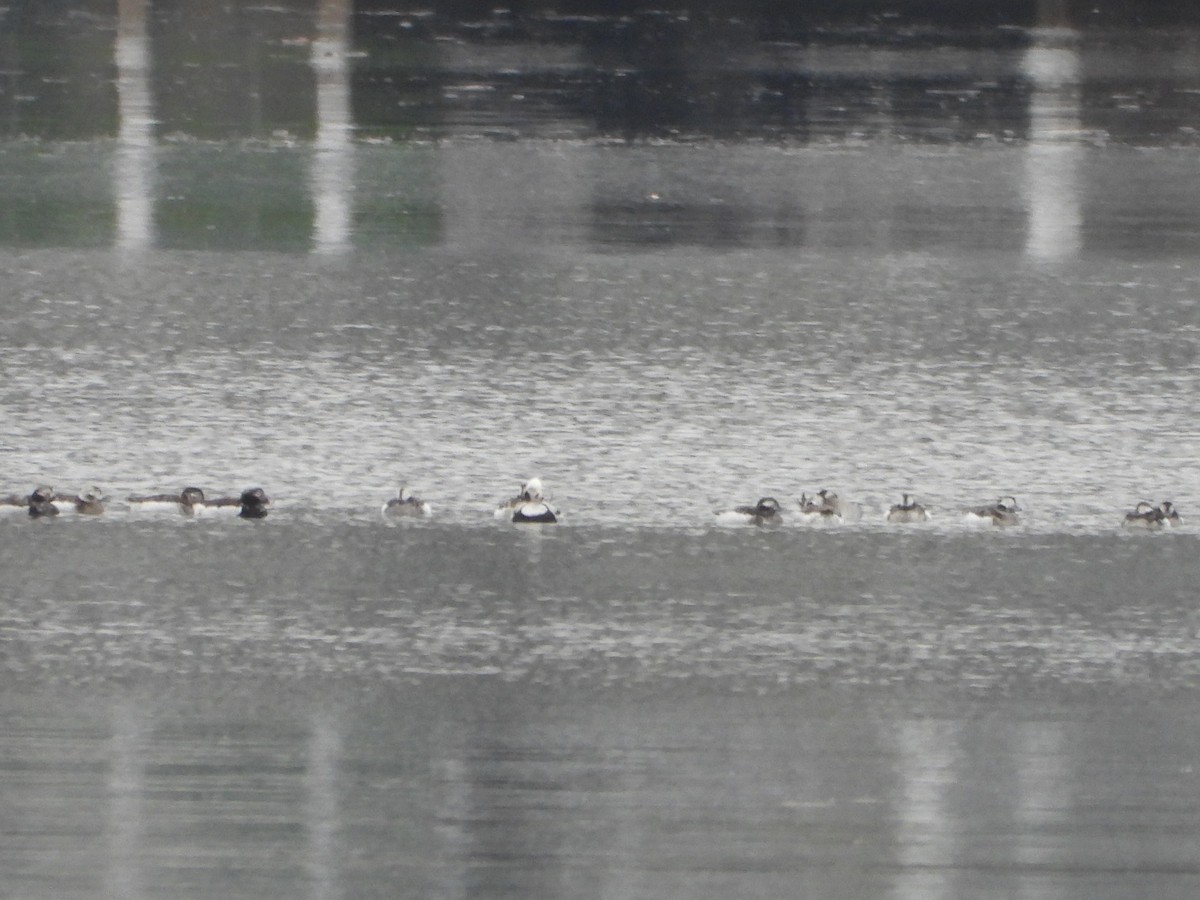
[670,263]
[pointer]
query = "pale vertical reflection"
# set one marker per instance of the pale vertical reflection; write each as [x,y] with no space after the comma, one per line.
[332,167]
[1055,150]
[1043,785]
[135,163]
[126,788]
[927,846]
[454,809]
[321,805]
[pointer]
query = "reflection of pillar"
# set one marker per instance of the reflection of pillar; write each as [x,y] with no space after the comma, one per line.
[135,165]
[926,831]
[1054,152]
[321,806]
[1044,795]
[126,787]
[332,167]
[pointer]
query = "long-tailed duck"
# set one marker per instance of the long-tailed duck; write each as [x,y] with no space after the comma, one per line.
[89,502]
[252,503]
[825,505]
[1002,512]
[528,506]
[766,511]
[41,502]
[907,511]
[405,504]
[188,502]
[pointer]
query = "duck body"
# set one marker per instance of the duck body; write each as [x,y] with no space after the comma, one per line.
[188,502]
[14,502]
[1153,518]
[1145,515]
[90,502]
[1001,513]
[529,506]
[907,511]
[766,511]
[535,512]
[406,505]
[41,503]
[823,506]
[253,503]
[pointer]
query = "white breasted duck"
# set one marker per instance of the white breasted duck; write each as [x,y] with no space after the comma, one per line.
[528,506]
[825,506]
[907,511]
[405,504]
[766,511]
[1002,512]
[188,502]
[1170,514]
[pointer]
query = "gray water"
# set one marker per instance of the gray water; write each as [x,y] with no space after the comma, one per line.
[330,248]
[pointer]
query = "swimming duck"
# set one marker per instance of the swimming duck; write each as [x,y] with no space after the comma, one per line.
[1170,514]
[528,506]
[766,511]
[906,511]
[188,502]
[253,503]
[405,504]
[825,505]
[1144,515]
[1002,512]
[41,502]
[90,502]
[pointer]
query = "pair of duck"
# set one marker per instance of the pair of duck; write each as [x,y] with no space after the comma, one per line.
[768,511]
[251,503]
[529,506]
[827,505]
[1002,512]
[44,501]
[1147,515]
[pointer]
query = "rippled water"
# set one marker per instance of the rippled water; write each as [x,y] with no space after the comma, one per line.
[644,390]
[327,251]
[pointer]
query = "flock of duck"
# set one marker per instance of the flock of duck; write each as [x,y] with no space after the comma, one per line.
[531,506]
[44,502]
[827,505]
